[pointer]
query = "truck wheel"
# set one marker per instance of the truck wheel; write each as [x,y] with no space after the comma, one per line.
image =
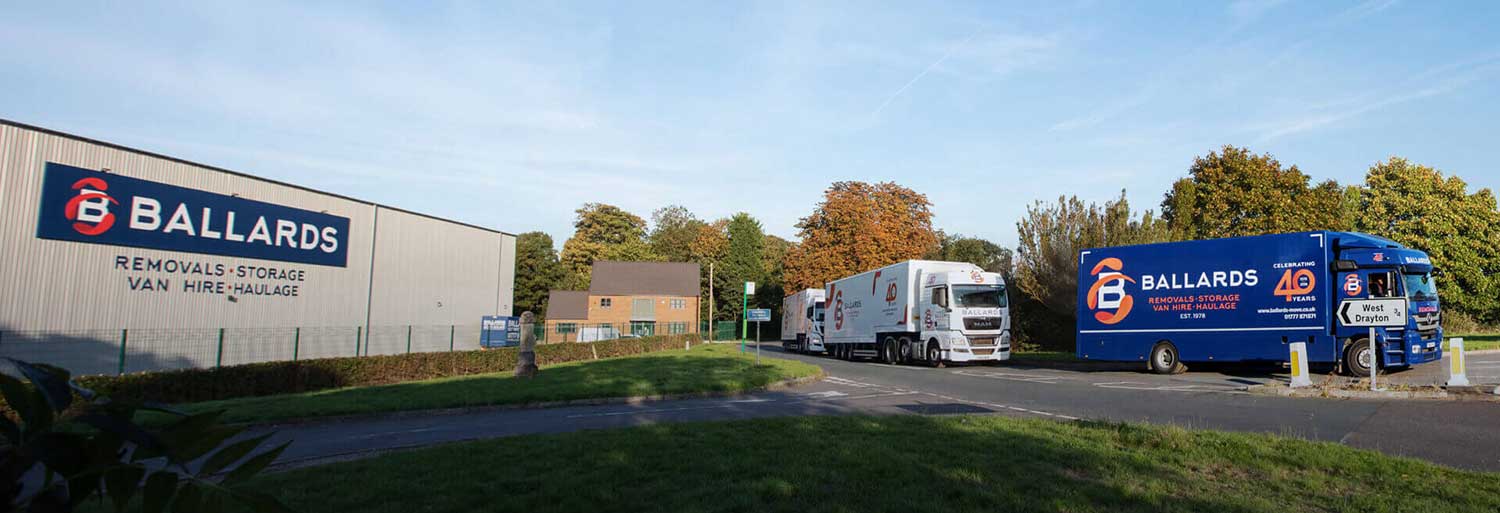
[1165,359]
[888,351]
[903,352]
[934,355]
[1357,358]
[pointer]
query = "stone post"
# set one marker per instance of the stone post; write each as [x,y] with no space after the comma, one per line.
[526,364]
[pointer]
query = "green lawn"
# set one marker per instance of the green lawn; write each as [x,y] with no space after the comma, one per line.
[1477,342]
[716,368]
[895,463]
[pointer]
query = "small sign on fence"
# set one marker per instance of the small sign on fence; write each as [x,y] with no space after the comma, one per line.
[499,331]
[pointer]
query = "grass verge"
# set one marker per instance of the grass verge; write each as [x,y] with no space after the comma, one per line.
[1045,356]
[1479,342]
[702,369]
[897,463]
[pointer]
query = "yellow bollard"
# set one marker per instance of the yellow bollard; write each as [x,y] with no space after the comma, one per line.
[1299,365]
[1457,377]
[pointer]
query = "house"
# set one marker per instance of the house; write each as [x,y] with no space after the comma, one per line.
[643,298]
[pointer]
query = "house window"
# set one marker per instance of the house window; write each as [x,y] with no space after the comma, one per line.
[679,304]
[566,327]
[604,302]
[676,328]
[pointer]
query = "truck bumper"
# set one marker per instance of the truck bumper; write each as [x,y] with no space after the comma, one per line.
[958,348]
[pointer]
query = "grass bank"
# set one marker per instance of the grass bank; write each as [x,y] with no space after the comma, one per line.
[714,368]
[898,463]
[1479,342]
[1044,356]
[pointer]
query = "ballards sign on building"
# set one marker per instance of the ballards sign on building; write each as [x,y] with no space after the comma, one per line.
[101,208]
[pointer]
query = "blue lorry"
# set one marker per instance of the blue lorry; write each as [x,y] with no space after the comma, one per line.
[1247,298]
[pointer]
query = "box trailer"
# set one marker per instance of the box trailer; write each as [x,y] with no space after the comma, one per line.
[1248,298]
[919,311]
[801,315]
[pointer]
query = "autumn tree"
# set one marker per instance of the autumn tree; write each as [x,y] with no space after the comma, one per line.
[1237,193]
[1420,208]
[537,272]
[857,227]
[1051,235]
[602,232]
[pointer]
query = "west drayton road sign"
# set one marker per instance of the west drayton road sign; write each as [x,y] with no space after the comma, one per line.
[1373,313]
[758,315]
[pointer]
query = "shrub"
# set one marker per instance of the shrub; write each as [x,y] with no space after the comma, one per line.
[272,378]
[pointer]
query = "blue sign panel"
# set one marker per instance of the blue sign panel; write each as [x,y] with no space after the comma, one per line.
[101,208]
[499,331]
[758,315]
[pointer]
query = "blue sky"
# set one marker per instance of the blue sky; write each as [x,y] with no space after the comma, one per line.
[512,115]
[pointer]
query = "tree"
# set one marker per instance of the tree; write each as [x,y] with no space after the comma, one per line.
[980,252]
[673,229]
[1046,267]
[1420,208]
[858,227]
[708,248]
[1237,193]
[537,272]
[743,262]
[602,232]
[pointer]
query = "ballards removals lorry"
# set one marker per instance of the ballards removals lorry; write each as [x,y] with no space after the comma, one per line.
[801,317]
[919,311]
[1247,298]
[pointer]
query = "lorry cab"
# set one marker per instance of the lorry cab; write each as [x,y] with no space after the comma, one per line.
[814,339]
[1376,268]
[965,315]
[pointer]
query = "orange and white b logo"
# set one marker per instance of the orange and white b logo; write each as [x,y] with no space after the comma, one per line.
[1108,292]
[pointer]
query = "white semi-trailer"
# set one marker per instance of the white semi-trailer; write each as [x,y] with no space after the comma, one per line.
[919,311]
[801,315]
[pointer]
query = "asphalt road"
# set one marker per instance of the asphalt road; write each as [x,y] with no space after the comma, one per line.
[1462,434]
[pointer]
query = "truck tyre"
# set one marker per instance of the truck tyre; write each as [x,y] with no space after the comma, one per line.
[934,355]
[888,351]
[1165,359]
[1357,358]
[903,352]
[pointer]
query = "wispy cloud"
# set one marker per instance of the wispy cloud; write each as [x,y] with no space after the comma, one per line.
[1429,83]
[939,62]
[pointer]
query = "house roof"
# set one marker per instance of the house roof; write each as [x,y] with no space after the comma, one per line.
[644,278]
[568,305]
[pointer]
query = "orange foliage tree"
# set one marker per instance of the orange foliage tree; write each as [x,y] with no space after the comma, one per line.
[858,227]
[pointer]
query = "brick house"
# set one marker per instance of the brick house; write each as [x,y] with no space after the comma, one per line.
[644,298]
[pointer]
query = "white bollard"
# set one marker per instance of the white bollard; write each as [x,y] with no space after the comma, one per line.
[1457,377]
[1299,365]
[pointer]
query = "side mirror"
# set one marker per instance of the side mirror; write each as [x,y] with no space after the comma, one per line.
[1344,266]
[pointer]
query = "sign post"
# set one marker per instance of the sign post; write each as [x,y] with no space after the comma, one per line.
[758,316]
[744,305]
[1373,313]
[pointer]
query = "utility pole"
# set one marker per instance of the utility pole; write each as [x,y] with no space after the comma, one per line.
[745,313]
[711,329]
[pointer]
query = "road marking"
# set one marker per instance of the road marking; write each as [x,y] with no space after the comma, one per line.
[979,403]
[1046,380]
[830,393]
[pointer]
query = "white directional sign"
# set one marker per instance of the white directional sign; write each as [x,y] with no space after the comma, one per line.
[1374,313]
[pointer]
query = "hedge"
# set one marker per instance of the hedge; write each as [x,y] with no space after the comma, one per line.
[272,378]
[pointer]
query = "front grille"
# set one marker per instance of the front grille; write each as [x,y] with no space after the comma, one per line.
[982,323]
[1427,325]
[988,351]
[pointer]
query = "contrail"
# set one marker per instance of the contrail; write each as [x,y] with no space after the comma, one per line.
[924,73]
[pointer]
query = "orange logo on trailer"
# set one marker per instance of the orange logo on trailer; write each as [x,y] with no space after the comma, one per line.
[976,276]
[1108,292]
[838,310]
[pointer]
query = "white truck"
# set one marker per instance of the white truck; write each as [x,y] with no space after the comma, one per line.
[919,311]
[801,319]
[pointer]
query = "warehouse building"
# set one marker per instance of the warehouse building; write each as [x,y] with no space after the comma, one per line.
[119,260]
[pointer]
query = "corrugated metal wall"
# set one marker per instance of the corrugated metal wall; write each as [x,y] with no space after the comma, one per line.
[67,303]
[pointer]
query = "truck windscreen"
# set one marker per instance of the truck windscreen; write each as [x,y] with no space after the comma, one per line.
[1420,287]
[979,296]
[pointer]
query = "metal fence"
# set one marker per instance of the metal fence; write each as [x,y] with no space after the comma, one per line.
[139,350]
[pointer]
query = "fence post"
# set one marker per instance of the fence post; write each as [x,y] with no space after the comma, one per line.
[219,360]
[358,330]
[296,342]
[408,339]
[451,327]
[124,337]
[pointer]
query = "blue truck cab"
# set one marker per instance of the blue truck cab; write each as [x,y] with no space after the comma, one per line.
[1248,298]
